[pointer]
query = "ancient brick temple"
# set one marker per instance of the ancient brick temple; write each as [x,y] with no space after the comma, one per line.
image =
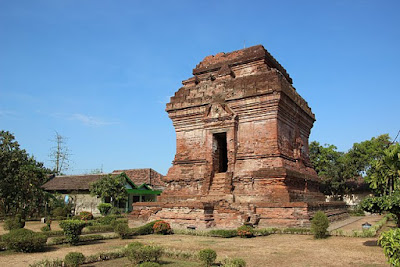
[241,148]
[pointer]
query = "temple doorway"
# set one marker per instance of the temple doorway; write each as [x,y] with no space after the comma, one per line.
[220,156]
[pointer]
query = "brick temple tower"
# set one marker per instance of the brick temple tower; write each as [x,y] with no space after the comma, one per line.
[241,148]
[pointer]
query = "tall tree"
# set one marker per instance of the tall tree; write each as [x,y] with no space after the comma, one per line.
[337,169]
[60,155]
[110,186]
[384,174]
[21,177]
[362,155]
[329,165]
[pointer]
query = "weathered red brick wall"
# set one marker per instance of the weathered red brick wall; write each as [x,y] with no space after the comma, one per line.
[248,96]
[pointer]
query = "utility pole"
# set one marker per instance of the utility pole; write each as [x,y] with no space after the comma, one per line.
[59,154]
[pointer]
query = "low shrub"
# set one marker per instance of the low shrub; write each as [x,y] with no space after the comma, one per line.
[146,229]
[390,242]
[86,238]
[139,254]
[72,229]
[119,221]
[319,225]
[99,228]
[53,233]
[265,231]
[245,231]
[48,263]
[24,240]
[104,256]
[149,264]
[133,245]
[14,223]
[162,227]
[224,233]
[235,262]
[86,216]
[74,259]
[181,254]
[58,240]
[207,256]
[107,220]
[123,230]
[104,208]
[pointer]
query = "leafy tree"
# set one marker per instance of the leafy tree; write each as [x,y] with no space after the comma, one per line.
[329,165]
[337,169]
[362,155]
[384,174]
[384,179]
[110,186]
[380,204]
[21,177]
[390,241]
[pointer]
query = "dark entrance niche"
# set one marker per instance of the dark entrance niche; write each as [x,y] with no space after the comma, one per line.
[220,157]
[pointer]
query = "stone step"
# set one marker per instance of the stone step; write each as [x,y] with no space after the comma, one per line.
[218,183]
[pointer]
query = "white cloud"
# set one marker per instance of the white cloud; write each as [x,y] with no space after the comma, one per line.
[84,119]
[89,120]
[7,114]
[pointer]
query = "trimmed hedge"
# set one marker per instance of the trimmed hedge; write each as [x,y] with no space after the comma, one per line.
[83,238]
[139,254]
[235,262]
[72,229]
[245,231]
[53,233]
[207,256]
[162,228]
[123,230]
[24,240]
[48,263]
[99,228]
[107,220]
[223,233]
[74,259]
[146,229]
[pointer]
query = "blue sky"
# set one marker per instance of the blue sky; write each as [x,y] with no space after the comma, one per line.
[100,72]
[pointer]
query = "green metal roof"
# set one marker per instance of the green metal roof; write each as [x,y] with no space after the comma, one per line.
[143,191]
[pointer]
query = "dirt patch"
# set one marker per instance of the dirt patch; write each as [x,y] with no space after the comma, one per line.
[53,252]
[273,250]
[282,250]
